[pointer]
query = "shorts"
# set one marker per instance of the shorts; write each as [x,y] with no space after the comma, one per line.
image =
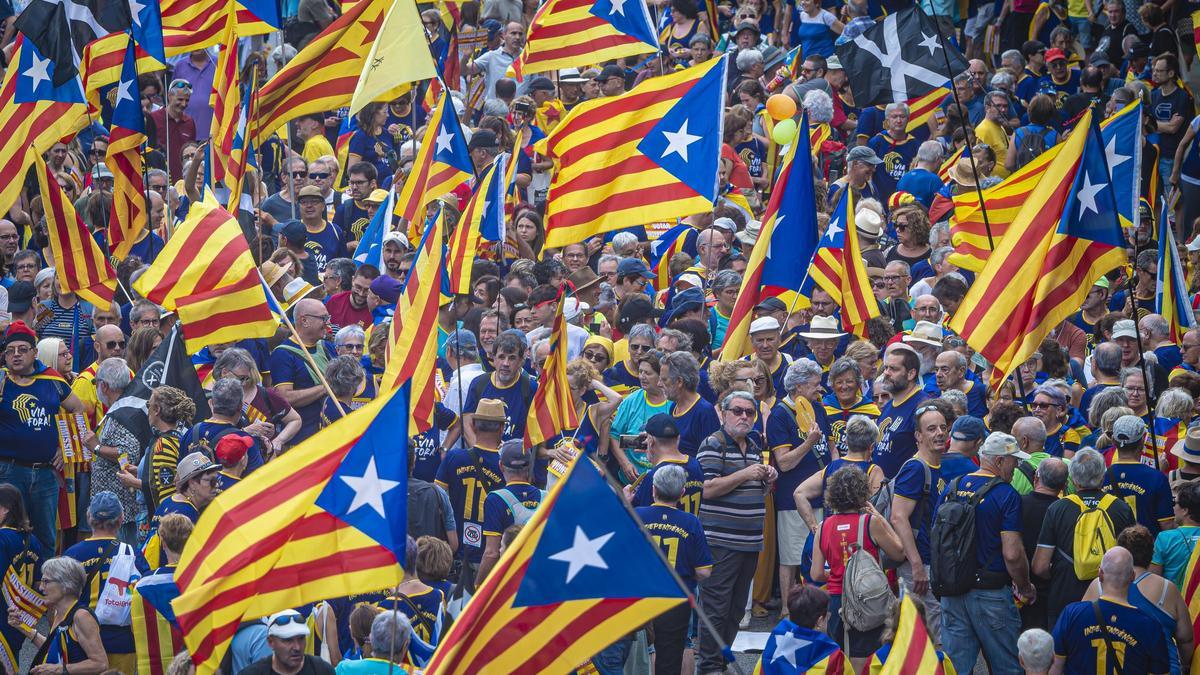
[791,534]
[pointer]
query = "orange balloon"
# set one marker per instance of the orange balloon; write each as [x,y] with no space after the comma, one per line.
[781,107]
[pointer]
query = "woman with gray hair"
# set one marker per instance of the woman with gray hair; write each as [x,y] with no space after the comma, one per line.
[725,287]
[350,340]
[1035,647]
[272,419]
[623,375]
[73,642]
[351,386]
[846,399]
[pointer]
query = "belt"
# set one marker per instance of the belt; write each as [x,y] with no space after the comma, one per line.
[27,465]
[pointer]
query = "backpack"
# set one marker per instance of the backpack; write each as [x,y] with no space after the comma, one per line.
[867,598]
[1094,534]
[953,567]
[1027,470]
[882,501]
[1031,145]
[521,513]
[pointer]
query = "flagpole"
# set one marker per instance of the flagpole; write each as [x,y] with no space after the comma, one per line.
[962,115]
[312,363]
[1151,398]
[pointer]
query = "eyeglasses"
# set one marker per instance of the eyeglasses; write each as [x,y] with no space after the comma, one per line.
[318,176]
[900,227]
[323,318]
[639,348]
[741,412]
[352,346]
[1039,405]
[26,266]
[18,349]
[115,344]
[760,380]
[893,277]
[159,188]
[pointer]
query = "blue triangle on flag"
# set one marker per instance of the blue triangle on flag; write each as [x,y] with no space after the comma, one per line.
[687,140]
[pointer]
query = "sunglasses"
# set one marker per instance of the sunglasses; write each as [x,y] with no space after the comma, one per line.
[318,176]
[741,412]
[115,344]
[299,174]
[640,348]
[595,357]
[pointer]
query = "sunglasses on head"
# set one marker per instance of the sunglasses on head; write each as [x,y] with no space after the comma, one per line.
[286,619]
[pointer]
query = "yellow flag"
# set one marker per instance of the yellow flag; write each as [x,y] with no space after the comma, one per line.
[399,55]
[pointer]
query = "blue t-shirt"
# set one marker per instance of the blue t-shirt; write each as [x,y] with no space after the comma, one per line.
[955,465]
[897,440]
[468,481]
[922,184]
[783,432]
[96,555]
[680,537]
[1131,631]
[1145,489]
[497,517]
[897,156]
[28,432]
[998,511]
[695,424]
[427,446]
[620,378]
[342,607]
[289,367]
[517,398]
[373,149]
[910,484]
[325,245]
[693,488]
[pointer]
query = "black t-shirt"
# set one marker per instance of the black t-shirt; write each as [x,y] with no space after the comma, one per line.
[312,666]
[1111,38]
[1033,512]
[1058,531]
[1165,106]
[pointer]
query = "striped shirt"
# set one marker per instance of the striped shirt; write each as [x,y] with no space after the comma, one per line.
[735,519]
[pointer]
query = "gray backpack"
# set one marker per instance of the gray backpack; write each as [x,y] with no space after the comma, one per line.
[867,599]
[521,513]
[882,501]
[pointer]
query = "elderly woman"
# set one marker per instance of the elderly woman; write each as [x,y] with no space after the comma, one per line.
[1052,406]
[73,641]
[118,446]
[1171,418]
[350,340]
[623,376]
[386,651]
[846,399]
[847,498]
[272,418]
[866,355]
[725,286]
[1133,381]
[54,353]
[20,552]
[350,385]
[638,406]
[796,431]
[912,230]
[43,284]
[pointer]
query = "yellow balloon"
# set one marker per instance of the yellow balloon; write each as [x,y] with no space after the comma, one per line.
[784,131]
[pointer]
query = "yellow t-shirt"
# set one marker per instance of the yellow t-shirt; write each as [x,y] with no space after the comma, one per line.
[993,134]
[316,147]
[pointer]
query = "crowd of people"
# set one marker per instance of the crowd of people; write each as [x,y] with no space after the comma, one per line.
[811,481]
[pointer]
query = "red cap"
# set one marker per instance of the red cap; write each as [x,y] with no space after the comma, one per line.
[17,332]
[1055,54]
[232,448]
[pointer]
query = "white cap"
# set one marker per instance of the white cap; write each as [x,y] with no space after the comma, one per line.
[724,224]
[286,625]
[764,323]
[398,237]
[1125,328]
[692,279]
[571,308]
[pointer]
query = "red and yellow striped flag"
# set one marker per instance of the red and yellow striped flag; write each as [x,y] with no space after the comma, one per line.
[566,33]
[412,347]
[442,163]
[838,268]
[29,129]
[103,60]
[188,25]
[920,109]
[79,264]
[944,171]
[912,652]
[482,219]
[1191,595]
[219,292]
[228,160]
[128,218]
[156,636]
[314,527]
[323,75]
[553,410]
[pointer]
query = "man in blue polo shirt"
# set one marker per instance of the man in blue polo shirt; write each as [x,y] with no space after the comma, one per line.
[294,376]
[1143,487]
[902,378]
[508,383]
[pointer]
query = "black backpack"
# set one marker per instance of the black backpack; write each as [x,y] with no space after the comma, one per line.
[1032,144]
[953,567]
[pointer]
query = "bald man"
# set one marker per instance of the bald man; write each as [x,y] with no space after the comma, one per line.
[10,240]
[711,245]
[292,373]
[1089,632]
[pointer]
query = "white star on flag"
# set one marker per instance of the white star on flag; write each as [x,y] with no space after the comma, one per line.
[1087,195]
[123,94]
[618,7]
[38,71]
[787,645]
[583,553]
[444,139]
[135,9]
[369,489]
[833,230]
[678,141]
[1110,152]
[930,42]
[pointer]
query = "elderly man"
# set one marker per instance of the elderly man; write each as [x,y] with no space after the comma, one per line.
[895,146]
[764,340]
[950,372]
[293,376]
[1052,407]
[923,181]
[991,129]
[861,163]
[1156,337]
[31,397]
[711,245]
[732,512]
[695,418]
[109,342]
[287,635]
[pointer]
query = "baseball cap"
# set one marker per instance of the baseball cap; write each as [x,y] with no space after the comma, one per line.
[105,506]
[513,454]
[231,449]
[101,170]
[398,237]
[610,71]
[1055,54]
[833,63]
[193,465]
[748,25]
[630,266]
[1099,59]
[1103,282]
[377,196]
[493,26]
[662,425]
[541,84]
[286,625]
[862,153]
[771,304]
[1125,328]
[20,296]
[1000,444]
[724,223]
[292,230]
[387,288]
[1129,429]
[968,428]
[310,191]
[763,324]
[483,138]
